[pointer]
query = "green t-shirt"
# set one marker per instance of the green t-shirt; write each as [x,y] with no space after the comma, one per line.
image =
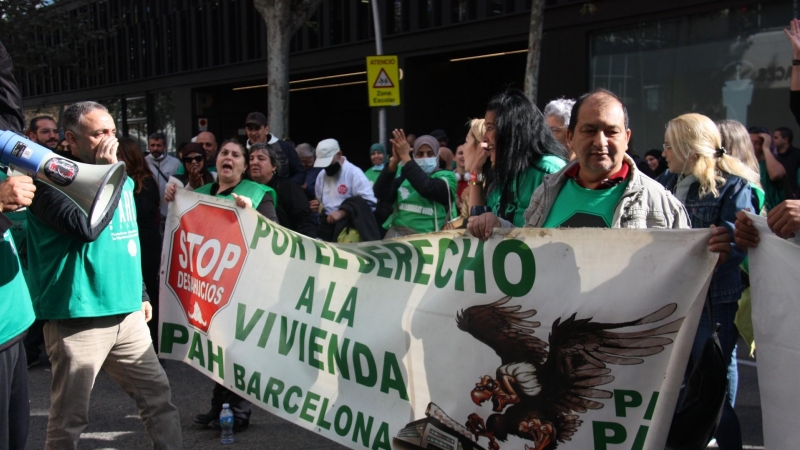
[372,174]
[72,279]
[522,191]
[578,207]
[414,211]
[16,309]
[250,189]
[774,191]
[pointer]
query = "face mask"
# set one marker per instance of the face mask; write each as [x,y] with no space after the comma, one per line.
[428,165]
[333,169]
[379,167]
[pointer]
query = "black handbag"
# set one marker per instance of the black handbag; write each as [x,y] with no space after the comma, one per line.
[700,406]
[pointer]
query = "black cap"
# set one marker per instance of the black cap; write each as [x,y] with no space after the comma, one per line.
[256,118]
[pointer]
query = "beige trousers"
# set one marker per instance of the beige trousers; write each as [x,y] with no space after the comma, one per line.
[120,345]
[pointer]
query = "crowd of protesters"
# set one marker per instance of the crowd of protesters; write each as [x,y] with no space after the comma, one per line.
[568,166]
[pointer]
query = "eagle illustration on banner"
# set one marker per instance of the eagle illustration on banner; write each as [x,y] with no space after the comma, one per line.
[538,392]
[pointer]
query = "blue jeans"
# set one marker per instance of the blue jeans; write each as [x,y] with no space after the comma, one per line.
[729,432]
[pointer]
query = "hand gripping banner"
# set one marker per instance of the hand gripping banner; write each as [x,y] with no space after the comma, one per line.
[536,338]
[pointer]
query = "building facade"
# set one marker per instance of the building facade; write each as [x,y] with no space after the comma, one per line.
[183,65]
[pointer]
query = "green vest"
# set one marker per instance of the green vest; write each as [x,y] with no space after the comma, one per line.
[247,188]
[523,190]
[414,211]
[72,279]
[372,174]
[578,207]
[16,311]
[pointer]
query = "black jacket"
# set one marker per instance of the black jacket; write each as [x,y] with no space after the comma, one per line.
[292,210]
[11,116]
[386,186]
[291,166]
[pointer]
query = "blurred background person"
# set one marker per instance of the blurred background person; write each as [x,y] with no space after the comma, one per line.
[557,114]
[148,218]
[195,173]
[292,206]
[422,194]
[377,156]
[655,164]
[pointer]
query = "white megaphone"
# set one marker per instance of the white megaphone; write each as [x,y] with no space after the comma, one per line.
[90,186]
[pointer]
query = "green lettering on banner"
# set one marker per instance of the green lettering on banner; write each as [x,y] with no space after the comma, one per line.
[327,314]
[262,230]
[254,386]
[321,422]
[314,348]
[309,405]
[624,400]
[441,280]
[382,438]
[287,338]
[171,334]
[196,350]
[279,249]
[339,357]
[343,410]
[307,297]
[274,389]
[476,264]
[364,429]
[267,330]
[527,272]
[348,311]
[297,247]
[321,259]
[383,271]
[651,407]
[403,256]
[365,263]
[215,357]
[242,330]
[371,377]
[421,277]
[641,436]
[602,438]
[238,376]
[289,408]
[338,261]
[300,346]
[392,377]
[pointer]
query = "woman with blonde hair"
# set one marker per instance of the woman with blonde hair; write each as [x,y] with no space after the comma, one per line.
[713,186]
[465,154]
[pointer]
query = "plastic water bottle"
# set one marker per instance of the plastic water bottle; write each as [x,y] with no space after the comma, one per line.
[226,423]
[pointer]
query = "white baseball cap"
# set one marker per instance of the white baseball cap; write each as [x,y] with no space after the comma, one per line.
[326,150]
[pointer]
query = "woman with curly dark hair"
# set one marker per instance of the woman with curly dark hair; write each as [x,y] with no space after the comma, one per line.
[146,197]
[522,151]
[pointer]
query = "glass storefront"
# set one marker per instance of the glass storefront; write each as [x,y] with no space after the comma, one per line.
[730,64]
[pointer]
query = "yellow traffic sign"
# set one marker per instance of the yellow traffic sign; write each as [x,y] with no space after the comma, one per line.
[383,80]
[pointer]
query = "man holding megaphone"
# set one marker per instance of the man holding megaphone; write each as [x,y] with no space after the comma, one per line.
[85,279]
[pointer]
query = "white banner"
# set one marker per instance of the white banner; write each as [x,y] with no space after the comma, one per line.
[576,338]
[774,287]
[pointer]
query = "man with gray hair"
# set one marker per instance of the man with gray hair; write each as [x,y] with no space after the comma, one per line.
[163,166]
[557,114]
[86,280]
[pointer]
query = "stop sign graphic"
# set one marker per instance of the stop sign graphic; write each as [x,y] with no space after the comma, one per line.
[208,253]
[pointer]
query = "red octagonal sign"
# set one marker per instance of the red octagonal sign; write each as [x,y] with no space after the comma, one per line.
[208,253]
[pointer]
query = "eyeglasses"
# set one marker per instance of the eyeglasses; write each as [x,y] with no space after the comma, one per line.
[666,147]
[191,159]
[556,129]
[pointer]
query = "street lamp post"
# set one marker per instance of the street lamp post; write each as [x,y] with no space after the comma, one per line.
[379,50]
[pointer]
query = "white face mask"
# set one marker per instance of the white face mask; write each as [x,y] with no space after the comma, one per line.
[428,165]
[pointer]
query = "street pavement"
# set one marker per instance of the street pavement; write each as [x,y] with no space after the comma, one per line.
[115,424]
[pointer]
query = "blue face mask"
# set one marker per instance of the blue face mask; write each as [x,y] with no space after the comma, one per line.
[378,167]
[428,165]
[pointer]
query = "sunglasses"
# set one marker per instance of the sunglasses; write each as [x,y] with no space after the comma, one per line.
[190,159]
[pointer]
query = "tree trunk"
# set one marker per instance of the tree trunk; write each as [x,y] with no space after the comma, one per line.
[534,50]
[282,18]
